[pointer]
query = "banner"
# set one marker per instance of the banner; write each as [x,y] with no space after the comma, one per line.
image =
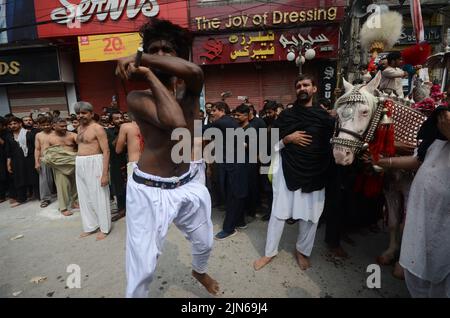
[97,48]
[86,17]
[220,15]
[244,47]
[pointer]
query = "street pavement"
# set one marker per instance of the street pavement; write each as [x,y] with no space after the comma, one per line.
[51,243]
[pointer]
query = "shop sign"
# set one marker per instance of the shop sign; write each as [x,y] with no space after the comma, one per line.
[264,46]
[96,48]
[29,66]
[85,17]
[209,16]
[432,35]
[327,79]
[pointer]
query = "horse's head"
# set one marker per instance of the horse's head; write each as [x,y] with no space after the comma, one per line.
[355,110]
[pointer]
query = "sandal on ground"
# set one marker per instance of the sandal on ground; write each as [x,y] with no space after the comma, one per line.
[118,216]
[45,204]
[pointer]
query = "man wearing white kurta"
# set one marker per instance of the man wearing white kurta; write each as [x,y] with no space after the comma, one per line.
[92,176]
[300,165]
[391,79]
[425,250]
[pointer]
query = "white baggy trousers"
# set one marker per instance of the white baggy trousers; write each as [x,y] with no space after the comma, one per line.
[150,211]
[93,198]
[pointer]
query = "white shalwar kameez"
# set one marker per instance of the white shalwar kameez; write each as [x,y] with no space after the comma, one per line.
[425,251]
[94,199]
[305,207]
[150,211]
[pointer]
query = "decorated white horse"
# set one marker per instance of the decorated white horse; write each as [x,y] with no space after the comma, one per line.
[366,120]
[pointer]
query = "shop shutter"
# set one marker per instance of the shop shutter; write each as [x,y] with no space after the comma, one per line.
[26,99]
[273,81]
[96,83]
[239,79]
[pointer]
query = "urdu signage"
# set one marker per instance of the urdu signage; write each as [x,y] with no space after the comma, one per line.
[243,47]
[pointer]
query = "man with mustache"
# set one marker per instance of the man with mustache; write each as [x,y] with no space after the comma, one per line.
[92,173]
[300,168]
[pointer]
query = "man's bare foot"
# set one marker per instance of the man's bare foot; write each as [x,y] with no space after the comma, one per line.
[66,213]
[302,260]
[16,204]
[338,252]
[398,271]
[11,201]
[84,234]
[101,236]
[210,284]
[75,206]
[261,262]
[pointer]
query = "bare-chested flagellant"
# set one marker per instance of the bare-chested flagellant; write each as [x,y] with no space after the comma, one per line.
[60,155]
[129,136]
[161,191]
[45,173]
[92,165]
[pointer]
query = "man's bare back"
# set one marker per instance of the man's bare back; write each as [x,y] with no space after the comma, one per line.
[87,139]
[130,134]
[68,141]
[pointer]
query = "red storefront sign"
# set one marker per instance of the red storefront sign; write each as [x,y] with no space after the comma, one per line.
[244,47]
[208,16]
[82,17]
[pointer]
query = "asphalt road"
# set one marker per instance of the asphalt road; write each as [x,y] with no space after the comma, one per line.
[50,244]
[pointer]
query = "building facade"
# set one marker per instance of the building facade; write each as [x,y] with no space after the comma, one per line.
[243,46]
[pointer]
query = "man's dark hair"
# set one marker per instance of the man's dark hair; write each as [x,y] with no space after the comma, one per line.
[357,81]
[157,29]
[114,112]
[271,104]
[15,119]
[393,56]
[303,77]
[243,109]
[44,120]
[222,106]
[58,120]
[96,117]
[27,117]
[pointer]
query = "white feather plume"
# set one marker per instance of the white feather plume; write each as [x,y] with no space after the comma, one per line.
[387,31]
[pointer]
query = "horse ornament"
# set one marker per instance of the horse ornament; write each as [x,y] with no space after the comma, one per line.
[368,119]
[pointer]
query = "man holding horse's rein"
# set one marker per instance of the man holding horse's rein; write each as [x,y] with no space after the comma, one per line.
[300,169]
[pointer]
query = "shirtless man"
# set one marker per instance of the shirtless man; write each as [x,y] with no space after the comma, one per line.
[45,172]
[61,156]
[161,191]
[92,165]
[129,136]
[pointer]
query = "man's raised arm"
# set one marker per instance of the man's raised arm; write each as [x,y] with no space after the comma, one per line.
[191,73]
[158,107]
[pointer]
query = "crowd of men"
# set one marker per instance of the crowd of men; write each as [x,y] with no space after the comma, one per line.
[50,157]
[106,156]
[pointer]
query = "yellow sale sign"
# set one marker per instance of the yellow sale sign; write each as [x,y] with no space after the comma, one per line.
[96,48]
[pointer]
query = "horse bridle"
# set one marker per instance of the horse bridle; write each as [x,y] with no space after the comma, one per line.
[362,143]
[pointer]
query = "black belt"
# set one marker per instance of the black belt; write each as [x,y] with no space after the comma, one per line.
[163,184]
